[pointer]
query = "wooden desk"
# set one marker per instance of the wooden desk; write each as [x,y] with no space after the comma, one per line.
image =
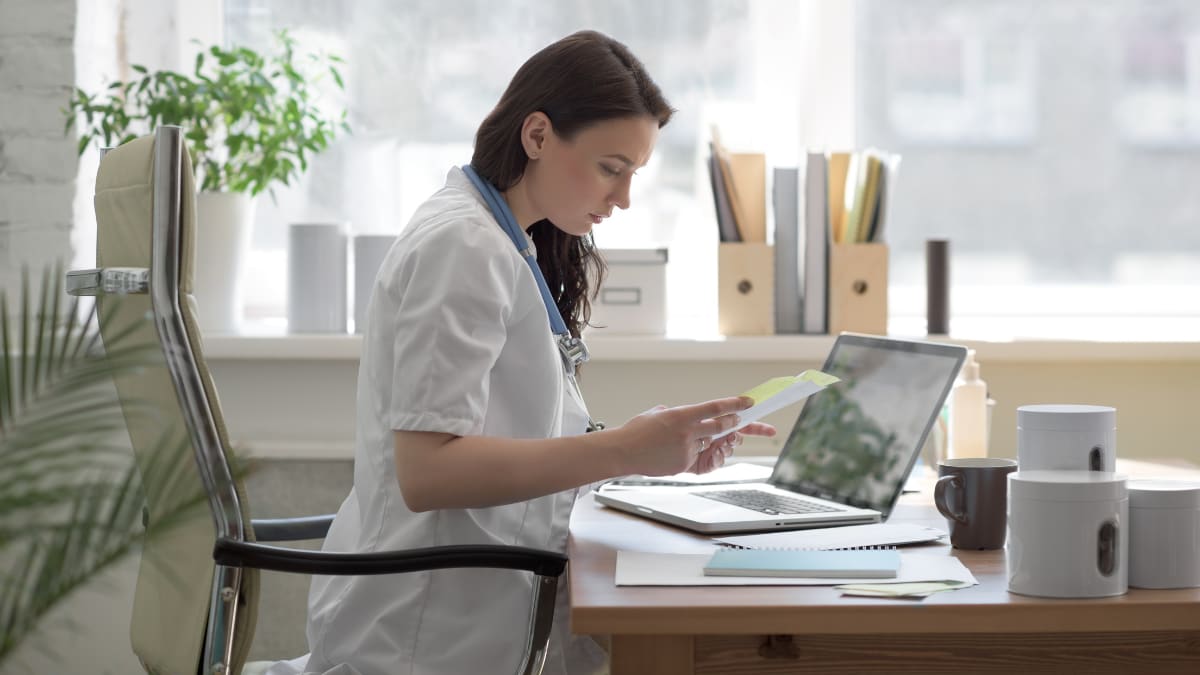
[791,629]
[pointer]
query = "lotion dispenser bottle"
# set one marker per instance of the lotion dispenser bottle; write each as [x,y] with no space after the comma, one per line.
[968,412]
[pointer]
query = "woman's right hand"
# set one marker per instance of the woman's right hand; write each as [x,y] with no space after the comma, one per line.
[664,441]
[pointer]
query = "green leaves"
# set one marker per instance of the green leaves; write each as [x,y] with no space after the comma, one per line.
[71,498]
[69,502]
[251,120]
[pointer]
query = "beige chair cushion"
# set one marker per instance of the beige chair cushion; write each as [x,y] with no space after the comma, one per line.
[174,582]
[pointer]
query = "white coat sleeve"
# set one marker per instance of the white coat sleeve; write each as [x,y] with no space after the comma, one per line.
[455,296]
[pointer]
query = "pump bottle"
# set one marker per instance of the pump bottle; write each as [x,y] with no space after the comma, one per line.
[968,412]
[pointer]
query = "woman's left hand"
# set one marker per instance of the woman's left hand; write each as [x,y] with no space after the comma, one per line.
[715,453]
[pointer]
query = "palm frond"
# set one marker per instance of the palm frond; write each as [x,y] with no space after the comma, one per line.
[71,501]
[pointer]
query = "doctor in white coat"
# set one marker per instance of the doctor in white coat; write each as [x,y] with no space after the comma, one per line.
[471,428]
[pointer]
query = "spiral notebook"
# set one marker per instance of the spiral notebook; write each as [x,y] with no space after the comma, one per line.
[863,563]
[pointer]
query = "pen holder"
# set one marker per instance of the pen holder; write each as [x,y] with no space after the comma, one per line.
[858,280]
[745,289]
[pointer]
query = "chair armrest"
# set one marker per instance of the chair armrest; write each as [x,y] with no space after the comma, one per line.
[108,281]
[291,529]
[261,556]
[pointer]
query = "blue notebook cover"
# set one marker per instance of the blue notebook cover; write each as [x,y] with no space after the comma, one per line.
[866,564]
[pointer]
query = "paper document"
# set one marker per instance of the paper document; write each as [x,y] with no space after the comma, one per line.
[636,568]
[741,472]
[829,538]
[921,589]
[780,392]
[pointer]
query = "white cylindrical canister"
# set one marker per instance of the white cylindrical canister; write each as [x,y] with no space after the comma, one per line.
[1164,533]
[316,278]
[1066,437]
[369,252]
[1068,534]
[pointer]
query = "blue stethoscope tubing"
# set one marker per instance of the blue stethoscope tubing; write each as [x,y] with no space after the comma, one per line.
[508,222]
[572,349]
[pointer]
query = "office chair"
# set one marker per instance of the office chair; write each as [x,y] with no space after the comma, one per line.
[196,601]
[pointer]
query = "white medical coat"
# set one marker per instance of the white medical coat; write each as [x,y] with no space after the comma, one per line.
[457,341]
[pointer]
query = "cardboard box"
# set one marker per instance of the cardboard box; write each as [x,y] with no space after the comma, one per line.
[633,297]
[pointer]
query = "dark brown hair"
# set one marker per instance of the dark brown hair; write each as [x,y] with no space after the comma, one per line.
[582,79]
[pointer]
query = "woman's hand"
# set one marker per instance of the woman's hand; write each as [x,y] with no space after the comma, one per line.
[664,441]
[713,457]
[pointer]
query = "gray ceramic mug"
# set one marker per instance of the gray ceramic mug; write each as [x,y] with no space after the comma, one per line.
[972,493]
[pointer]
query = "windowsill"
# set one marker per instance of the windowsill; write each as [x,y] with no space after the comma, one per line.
[616,349]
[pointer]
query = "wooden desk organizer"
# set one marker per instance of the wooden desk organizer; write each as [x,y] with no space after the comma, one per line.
[745,289]
[858,286]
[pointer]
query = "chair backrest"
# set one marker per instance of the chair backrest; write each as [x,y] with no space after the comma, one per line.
[188,614]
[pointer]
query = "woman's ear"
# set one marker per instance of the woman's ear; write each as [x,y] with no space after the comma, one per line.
[535,133]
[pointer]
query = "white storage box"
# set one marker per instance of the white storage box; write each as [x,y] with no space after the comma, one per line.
[1066,437]
[633,297]
[1068,534]
[1164,534]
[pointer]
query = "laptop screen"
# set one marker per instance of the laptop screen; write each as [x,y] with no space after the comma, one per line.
[856,441]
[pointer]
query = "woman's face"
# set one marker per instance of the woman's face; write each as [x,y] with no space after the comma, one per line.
[577,183]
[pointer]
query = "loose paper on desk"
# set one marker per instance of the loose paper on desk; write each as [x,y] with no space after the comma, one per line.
[740,472]
[830,538]
[638,568]
[920,589]
[780,392]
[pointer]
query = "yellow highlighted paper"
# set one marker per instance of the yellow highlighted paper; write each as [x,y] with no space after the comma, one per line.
[780,392]
[776,385]
[769,388]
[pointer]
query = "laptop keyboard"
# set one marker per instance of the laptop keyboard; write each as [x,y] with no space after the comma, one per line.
[766,502]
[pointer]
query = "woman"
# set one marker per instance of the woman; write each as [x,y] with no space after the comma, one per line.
[470,426]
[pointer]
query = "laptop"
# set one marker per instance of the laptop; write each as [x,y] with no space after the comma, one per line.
[847,457]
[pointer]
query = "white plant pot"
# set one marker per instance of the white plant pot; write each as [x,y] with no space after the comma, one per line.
[223,222]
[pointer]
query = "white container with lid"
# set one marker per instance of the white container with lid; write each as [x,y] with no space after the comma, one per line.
[1066,437]
[1067,534]
[1164,533]
[632,300]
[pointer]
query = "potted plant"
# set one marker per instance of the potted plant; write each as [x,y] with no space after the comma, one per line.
[250,121]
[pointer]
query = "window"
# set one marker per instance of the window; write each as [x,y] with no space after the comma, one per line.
[1160,82]
[422,74]
[1055,146]
[946,88]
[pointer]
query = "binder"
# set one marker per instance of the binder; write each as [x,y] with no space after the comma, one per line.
[838,165]
[745,289]
[749,174]
[785,201]
[815,244]
[858,286]
[867,229]
[726,224]
[724,165]
[887,175]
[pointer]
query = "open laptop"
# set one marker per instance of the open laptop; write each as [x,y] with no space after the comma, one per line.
[847,457]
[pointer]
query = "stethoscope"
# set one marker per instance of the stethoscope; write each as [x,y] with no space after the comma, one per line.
[572,349]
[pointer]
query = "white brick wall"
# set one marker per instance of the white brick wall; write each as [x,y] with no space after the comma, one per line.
[49,18]
[37,162]
[36,62]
